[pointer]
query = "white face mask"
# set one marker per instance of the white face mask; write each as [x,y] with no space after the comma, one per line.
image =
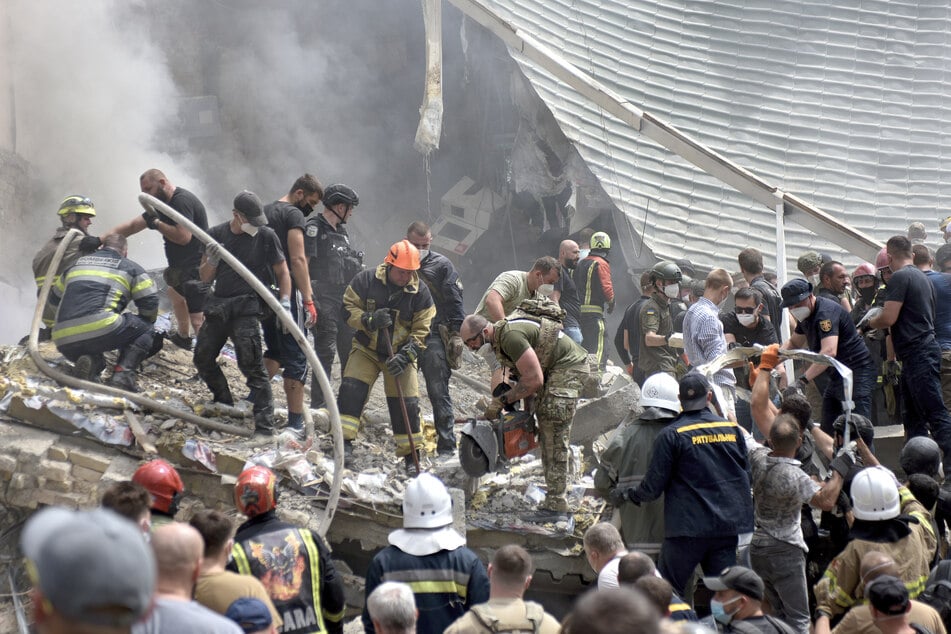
[249,229]
[583,253]
[814,280]
[545,290]
[423,254]
[672,291]
[800,312]
[746,319]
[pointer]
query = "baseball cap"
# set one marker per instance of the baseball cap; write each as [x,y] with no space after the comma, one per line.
[92,566]
[693,391]
[249,205]
[739,579]
[888,595]
[251,614]
[794,291]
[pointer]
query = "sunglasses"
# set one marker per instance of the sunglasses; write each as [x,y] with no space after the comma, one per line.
[743,310]
[472,338]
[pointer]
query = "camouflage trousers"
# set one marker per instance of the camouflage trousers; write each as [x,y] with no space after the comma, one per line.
[555,410]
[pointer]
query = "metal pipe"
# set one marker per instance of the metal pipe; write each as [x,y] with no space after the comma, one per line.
[152,204]
[399,392]
[71,381]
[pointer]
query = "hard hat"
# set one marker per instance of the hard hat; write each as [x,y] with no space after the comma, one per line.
[77,205]
[255,492]
[162,482]
[661,390]
[858,425]
[426,503]
[403,255]
[875,495]
[881,260]
[600,240]
[340,193]
[943,225]
[920,455]
[808,261]
[863,269]
[667,271]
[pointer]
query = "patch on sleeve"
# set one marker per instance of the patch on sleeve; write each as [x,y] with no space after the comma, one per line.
[825,325]
[311,231]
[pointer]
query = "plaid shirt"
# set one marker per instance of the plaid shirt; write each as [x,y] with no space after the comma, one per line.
[704,340]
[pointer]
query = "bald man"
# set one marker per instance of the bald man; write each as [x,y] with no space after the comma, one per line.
[178,553]
[566,293]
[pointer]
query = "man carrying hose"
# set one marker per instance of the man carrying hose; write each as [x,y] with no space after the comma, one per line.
[391,312]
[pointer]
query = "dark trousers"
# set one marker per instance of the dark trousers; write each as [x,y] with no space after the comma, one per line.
[332,336]
[679,556]
[436,372]
[863,382]
[921,395]
[245,333]
[134,331]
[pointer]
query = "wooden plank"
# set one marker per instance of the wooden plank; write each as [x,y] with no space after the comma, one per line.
[140,436]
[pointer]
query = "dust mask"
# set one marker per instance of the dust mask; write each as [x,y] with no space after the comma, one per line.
[423,254]
[814,280]
[545,290]
[746,320]
[583,253]
[672,291]
[718,610]
[799,313]
[249,229]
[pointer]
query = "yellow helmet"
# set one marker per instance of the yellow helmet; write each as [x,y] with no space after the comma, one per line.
[77,205]
[601,240]
[943,225]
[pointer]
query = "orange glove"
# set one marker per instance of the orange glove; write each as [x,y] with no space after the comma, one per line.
[770,357]
[754,372]
[629,368]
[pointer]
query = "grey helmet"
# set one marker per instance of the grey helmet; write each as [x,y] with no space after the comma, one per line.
[340,193]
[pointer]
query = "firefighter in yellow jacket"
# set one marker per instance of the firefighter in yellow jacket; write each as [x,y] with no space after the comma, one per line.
[388,302]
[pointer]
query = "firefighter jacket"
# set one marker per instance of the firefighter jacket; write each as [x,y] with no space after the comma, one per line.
[592,276]
[909,540]
[445,584]
[41,263]
[411,308]
[332,261]
[92,294]
[295,567]
[440,276]
[700,465]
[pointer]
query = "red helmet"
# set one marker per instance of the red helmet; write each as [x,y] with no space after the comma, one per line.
[255,492]
[881,260]
[162,482]
[864,269]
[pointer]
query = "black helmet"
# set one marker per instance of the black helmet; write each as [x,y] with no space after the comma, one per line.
[340,193]
[920,455]
[858,424]
[667,271]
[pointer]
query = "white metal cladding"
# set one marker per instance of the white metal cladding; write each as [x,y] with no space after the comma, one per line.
[845,106]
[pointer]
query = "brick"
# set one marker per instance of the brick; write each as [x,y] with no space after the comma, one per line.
[22,482]
[8,465]
[58,487]
[23,498]
[52,498]
[87,475]
[89,460]
[60,454]
[58,471]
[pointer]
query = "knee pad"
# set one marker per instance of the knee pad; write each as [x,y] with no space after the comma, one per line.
[396,414]
[352,396]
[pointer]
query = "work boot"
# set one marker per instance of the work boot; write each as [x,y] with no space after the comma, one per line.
[347,453]
[445,449]
[264,423]
[183,342]
[124,380]
[545,516]
[410,464]
[88,367]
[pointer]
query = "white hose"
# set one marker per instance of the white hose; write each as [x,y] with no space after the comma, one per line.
[152,204]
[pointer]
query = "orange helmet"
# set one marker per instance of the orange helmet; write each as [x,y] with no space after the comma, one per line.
[162,482]
[255,492]
[403,255]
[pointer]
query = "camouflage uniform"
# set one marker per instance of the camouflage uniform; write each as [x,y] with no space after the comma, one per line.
[565,366]
[655,316]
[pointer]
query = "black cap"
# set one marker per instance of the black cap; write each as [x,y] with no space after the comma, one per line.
[249,205]
[888,595]
[794,291]
[738,579]
[693,391]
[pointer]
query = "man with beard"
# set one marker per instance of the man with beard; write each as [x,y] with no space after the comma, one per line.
[183,250]
[566,293]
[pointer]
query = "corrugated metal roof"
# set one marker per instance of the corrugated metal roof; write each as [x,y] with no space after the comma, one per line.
[846,106]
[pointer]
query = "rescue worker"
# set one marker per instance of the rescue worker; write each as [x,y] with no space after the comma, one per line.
[566,292]
[624,463]
[551,367]
[75,212]
[447,578]
[945,228]
[917,233]
[183,251]
[751,267]
[700,465]
[627,339]
[90,298]
[286,217]
[809,264]
[654,320]
[864,285]
[234,310]
[592,277]
[887,519]
[333,263]
[165,486]
[834,284]
[443,351]
[375,300]
[293,563]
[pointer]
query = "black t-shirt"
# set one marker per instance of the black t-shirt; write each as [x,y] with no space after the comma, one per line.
[915,324]
[830,319]
[258,253]
[282,217]
[771,299]
[631,324]
[569,298]
[183,256]
[762,333]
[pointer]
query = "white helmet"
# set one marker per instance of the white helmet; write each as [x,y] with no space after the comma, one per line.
[426,503]
[875,495]
[661,390]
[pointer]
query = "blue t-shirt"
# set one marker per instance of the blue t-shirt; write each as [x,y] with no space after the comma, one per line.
[829,319]
[942,307]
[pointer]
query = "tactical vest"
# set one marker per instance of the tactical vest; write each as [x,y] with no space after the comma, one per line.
[334,262]
[531,622]
[548,315]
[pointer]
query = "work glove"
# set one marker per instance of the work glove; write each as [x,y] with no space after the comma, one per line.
[311,309]
[454,351]
[801,383]
[89,244]
[610,307]
[617,496]
[286,305]
[843,461]
[891,372]
[494,409]
[864,323]
[377,320]
[150,216]
[402,359]
[629,368]
[769,358]
[675,340]
[213,253]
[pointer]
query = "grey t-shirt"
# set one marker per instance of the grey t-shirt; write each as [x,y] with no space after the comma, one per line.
[780,488]
[172,616]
